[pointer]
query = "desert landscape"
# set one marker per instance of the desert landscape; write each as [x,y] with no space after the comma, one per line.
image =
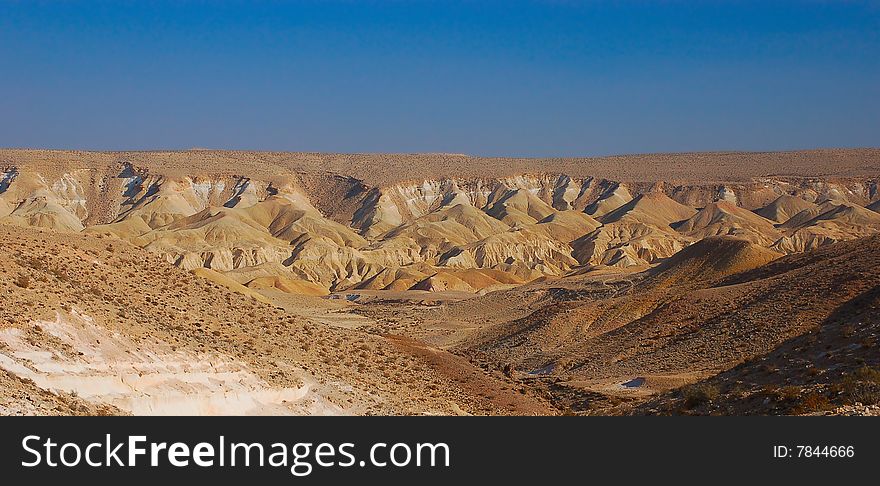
[204,282]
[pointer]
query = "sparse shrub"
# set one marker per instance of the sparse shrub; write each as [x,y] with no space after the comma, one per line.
[23,281]
[788,393]
[861,392]
[814,402]
[60,274]
[699,394]
[37,264]
[868,374]
[862,386]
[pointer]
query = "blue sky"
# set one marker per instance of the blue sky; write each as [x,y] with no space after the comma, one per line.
[551,78]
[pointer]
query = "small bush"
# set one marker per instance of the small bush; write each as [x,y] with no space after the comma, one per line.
[861,392]
[862,386]
[870,375]
[696,395]
[815,402]
[23,281]
[788,393]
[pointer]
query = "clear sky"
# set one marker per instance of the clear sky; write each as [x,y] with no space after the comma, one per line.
[486,78]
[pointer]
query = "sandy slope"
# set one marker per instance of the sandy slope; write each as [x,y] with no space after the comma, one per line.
[719,302]
[115,325]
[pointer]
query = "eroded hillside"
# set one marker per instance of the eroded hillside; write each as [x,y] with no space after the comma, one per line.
[99,321]
[245,282]
[329,223]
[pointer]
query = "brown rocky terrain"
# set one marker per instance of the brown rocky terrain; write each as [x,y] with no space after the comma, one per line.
[97,320]
[601,343]
[833,367]
[423,283]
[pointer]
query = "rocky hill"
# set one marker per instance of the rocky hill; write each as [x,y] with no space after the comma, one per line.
[250,282]
[338,222]
[93,324]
